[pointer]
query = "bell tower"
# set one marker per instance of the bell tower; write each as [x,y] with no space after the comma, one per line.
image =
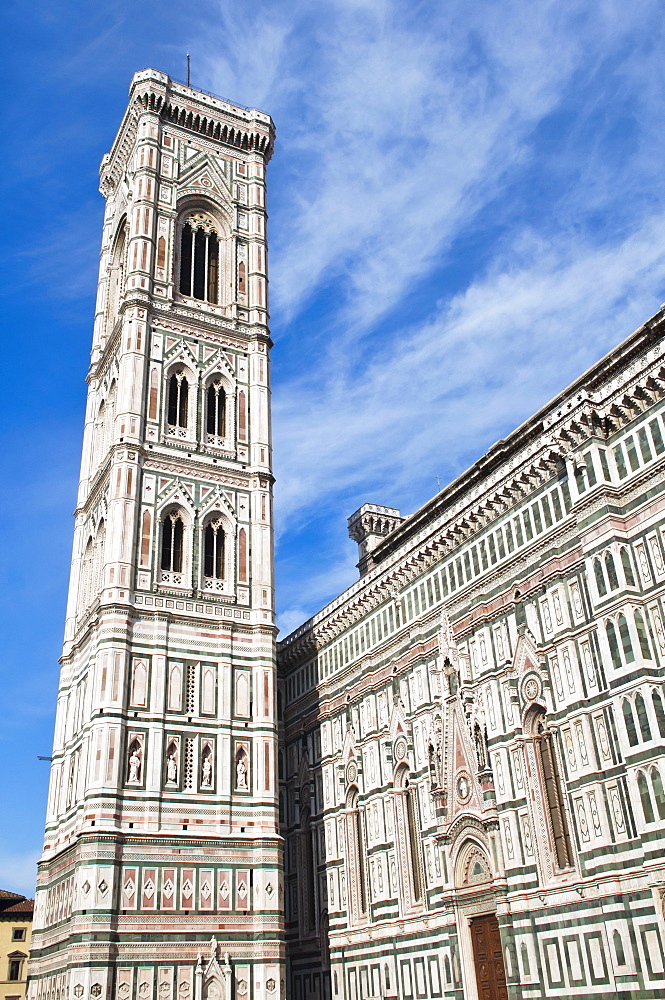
[161,872]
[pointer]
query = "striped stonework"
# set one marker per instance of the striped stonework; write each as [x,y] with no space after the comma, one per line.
[161,872]
[474,730]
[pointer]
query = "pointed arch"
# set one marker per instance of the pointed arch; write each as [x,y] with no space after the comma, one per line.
[626,641]
[601,586]
[657,703]
[613,644]
[642,636]
[627,566]
[645,798]
[642,717]
[658,792]
[610,569]
[629,722]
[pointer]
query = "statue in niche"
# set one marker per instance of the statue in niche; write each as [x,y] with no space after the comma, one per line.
[172,768]
[134,764]
[241,771]
[206,770]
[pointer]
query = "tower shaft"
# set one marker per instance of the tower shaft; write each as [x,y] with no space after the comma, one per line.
[160,876]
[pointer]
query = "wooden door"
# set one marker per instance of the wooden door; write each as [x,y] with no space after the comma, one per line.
[488,958]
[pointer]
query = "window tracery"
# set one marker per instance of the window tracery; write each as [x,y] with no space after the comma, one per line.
[172,548]
[215,413]
[199,258]
[178,400]
[213,554]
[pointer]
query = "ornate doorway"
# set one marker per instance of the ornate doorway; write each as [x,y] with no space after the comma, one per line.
[488,958]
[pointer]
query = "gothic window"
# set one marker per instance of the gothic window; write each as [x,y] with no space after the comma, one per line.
[642,635]
[611,571]
[613,644]
[658,711]
[116,276]
[216,410]
[553,794]
[242,277]
[199,259]
[600,579]
[618,948]
[627,566]
[356,856]
[178,398]
[213,550]
[625,639]
[629,722]
[642,717]
[658,793]
[645,797]
[172,542]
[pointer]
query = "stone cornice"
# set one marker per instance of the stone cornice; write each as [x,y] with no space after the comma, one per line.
[194,111]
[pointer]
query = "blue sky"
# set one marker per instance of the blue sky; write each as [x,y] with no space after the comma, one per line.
[467,209]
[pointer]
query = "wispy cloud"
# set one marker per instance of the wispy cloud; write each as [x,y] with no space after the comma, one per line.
[404,131]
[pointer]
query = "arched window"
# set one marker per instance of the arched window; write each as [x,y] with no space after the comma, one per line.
[618,948]
[116,276]
[613,644]
[642,717]
[216,409]
[172,542]
[629,721]
[647,805]
[553,794]
[600,579]
[659,794]
[178,396]
[611,571]
[625,639]
[356,856]
[658,711]
[627,566]
[213,550]
[645,649]
[199,259]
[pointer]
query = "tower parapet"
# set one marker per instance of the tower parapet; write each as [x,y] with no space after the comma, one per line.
[368,526]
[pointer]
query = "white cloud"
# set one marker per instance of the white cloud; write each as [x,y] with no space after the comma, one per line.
[440,390]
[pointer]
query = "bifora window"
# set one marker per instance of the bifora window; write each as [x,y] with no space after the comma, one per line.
[172,537]
[199,259]
[213,551]
[216,410]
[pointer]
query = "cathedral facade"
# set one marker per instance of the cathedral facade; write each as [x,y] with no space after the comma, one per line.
[450,781]
[472,768]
